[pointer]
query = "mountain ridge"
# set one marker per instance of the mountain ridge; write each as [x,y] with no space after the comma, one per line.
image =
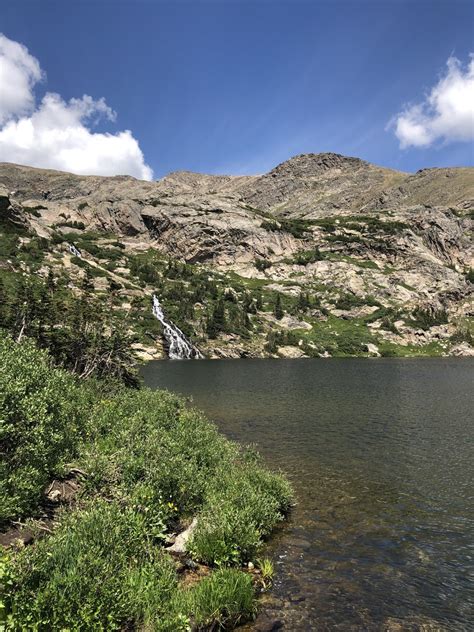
[324,224]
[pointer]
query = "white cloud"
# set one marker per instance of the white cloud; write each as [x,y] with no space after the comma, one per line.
[19,72]
[447,113]
[57,134]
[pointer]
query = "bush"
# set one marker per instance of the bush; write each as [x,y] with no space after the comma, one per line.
[304,257]
[262,264]
[71,224]
[462,335]
[100,570]
[41,420]
[296,227]
[349,301]
[150,462]
[426,318]
[151,438]
[243,505]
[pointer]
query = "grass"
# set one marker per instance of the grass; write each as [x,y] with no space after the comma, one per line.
[150,462]
[391,350]
[267,572]
[223,600]
[341,337]
[100,570]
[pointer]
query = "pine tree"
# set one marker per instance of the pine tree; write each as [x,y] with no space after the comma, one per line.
[303,302]
[277,308]
[217,321]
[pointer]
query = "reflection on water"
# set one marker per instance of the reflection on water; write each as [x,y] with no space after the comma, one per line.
[381,455]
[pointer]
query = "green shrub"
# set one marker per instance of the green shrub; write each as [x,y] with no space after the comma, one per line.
[41,419]
[304,257]
[243,505]
[296,227]
[152,437]
[262,264]
[100,570]
[426,318]
[462,334]
[71,224]
[350,301]
[149,461]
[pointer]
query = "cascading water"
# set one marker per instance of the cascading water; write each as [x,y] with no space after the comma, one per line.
[74,251]
[179,347]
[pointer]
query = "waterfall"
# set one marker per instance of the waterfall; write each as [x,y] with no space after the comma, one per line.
[179,347]
[74,251]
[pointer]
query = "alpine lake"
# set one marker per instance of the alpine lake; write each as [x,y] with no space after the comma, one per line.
[381,456]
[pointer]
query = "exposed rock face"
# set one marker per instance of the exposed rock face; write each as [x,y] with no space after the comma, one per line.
[320,223]
[317,185]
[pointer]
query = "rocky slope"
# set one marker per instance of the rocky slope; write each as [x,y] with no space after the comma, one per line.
[324,255]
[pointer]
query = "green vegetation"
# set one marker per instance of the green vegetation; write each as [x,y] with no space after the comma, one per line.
[463,333]
[71,224]
[277,339]
[277,308]
[82,334]
[149,463]
[351,301]
[426,318]
[367,224]
[304,257]
[267,571]
[262,264]
[41,423]
[204,303]
[340,337]
[296,227]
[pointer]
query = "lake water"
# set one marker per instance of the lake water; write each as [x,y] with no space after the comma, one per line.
[381,455]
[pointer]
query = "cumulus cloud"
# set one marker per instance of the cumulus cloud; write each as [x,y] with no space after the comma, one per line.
[19,72]
[57,134]
[446,114]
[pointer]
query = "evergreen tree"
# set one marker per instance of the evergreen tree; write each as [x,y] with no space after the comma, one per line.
[277,308]
[303,302]
[87,284]
[217,320]
[249,304]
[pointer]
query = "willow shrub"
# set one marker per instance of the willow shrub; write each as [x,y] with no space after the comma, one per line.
[243,504]
[42,417]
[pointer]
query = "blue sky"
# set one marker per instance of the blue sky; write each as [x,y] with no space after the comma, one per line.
[239,86]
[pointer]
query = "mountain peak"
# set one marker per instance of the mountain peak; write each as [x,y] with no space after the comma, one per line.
[306,164]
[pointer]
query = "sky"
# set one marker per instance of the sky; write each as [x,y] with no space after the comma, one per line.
[146,87]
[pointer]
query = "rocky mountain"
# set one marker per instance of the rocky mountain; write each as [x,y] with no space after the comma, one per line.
[323,255]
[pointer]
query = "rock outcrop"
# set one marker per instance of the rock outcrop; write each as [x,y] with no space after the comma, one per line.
[356,237]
